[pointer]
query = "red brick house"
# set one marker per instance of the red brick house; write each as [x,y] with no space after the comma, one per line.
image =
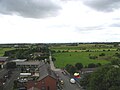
[3,61]
[46,81]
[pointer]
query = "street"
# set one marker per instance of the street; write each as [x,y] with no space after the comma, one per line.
[67,85]
[3,72]
[9,83]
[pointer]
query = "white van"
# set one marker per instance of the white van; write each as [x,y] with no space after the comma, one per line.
[72,80]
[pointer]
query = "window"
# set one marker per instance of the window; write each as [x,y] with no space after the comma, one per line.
[43,82]
[43,88]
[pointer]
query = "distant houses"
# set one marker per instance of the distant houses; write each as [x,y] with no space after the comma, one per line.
[34,75]
[47,80]
[42,79]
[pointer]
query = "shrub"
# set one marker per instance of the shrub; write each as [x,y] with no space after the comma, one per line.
[93,57]
[91,65]
[102,54]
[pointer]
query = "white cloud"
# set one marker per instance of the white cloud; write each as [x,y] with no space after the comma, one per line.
[29,8]
[75,22]
[103,5]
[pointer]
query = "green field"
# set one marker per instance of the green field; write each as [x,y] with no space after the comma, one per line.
[83,47]
[2,50]
[80,53]
[83,57]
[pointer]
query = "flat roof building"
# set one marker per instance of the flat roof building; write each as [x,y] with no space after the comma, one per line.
[29,64]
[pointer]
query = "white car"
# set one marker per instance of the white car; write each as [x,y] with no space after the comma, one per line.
[72,80]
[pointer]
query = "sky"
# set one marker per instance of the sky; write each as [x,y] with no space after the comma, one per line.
[59,21]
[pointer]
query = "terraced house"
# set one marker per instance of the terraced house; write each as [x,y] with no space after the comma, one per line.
[47,80]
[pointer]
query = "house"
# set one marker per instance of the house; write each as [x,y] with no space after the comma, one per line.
[28,64]
[3,61]
[47,80]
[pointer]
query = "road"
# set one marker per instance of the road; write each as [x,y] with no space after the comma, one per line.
[9,83]
[3,72]
[67,85]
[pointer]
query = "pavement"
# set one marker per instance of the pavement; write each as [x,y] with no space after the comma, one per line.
[52,64]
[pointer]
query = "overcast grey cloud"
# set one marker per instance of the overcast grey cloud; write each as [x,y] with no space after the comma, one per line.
[76,21]
[103,5]
[116,19]
[29,8]
[100,27]
[115,25]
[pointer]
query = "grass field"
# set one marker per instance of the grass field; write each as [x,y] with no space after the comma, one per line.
[83,57]
[83,47]
[78,53]
[2,50]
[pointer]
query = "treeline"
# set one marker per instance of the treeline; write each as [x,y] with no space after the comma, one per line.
[78,66]
[29,53]
[106,77]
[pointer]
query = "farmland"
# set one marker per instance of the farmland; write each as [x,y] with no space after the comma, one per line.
[81,53]
[2,50]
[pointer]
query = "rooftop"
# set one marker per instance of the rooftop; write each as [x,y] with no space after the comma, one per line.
[3,58]
[30,63]
[19,60]
[45,70]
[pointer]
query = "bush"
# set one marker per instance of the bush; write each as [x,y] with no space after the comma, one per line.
[102,54]
[98,64]
[79,66]
[53,59]
[70,68]
[91,65]
[105,78]
[93,57]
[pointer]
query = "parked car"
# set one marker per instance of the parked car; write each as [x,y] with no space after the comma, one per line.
[72,80]
[62,82]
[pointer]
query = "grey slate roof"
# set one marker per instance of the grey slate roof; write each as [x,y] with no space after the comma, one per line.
[29,63]
[45,71]
[3,58]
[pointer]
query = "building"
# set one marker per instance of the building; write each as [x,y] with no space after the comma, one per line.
[19,60]
[28,64]
[47,80]
[3,61]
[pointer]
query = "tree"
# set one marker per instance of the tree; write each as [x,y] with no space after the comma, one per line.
[93,57]
[115,62]
[70,68]
[79,66]
[98,64]
[53,59]
[105,78]
[91,65]
[84,82]
[117,55]
[118,49]
[102,54]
